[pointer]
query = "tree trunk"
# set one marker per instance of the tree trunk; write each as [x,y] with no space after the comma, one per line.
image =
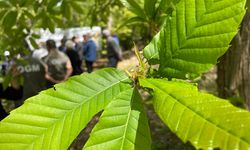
[234,67]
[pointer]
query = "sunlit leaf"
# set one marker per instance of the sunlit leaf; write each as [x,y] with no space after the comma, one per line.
[52,119]
[195,35]
[123,125]
[206,121]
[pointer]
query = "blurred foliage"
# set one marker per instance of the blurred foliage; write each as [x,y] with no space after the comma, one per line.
[139,20]
[91,13]
[100,11]
[248,5]
[125,34]
[149,14]
[19,17]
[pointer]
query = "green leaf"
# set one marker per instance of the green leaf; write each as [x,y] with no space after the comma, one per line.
[163,5]
[52,3]
[123,125]
[52,119]
[248,6]
[77,7]
[166,4]
[206,121]
[132,21]
[58,20]
[66,10]
[29,14]
[2,13]
[33,42]
[13,2]
[35,35]
[151,52]
[49,23]
[197,33]
[134,7]
[149,7]
[9,20]
[26,3]
[4,4]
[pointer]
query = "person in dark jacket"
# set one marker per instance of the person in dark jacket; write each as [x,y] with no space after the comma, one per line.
[114,50]
[74,58]
[10,93]
[33,71]
[3,113]
[89,51]
[62,47]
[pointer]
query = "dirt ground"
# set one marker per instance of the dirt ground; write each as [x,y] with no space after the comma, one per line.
[128,63]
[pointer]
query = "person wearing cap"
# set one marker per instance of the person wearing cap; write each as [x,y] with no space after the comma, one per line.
[59,65]
[114,50]
[74,57]
[89,51]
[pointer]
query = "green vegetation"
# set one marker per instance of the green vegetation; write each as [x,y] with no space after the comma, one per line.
[194,35]
[151,14]
[204,120]
[20,17]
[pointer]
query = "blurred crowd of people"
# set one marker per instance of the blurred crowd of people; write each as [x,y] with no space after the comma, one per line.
[50,65]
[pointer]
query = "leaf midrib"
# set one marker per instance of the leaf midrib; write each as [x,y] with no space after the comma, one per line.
[126,127]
